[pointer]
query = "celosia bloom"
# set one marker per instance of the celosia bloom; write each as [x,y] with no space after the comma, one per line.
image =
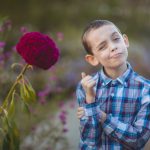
[38,50]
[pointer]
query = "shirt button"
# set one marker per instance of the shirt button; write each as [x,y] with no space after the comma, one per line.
[112,94]
[113,84]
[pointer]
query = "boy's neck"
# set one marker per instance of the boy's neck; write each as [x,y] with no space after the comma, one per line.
[115,73]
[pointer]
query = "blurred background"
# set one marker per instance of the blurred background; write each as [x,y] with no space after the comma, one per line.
[53,123]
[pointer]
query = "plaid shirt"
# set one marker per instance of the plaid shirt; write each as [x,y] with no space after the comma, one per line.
[126,101]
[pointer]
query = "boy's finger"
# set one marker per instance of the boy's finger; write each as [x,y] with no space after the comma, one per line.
[91,84]
[80,112]
[83,74]
[80,116]
[80,109]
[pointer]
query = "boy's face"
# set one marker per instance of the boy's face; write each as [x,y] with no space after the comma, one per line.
[108,46]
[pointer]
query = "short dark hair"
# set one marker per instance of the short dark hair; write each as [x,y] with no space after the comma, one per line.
[93,25]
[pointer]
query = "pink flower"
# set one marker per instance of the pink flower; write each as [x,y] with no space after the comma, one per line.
[7,24]
[72,104]
[33,128]
[1,29]
[61,104]
[38,49]
[60,36]
[23,30]
[14,48]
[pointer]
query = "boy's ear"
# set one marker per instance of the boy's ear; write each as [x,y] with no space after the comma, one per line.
[125,37]
[91,60]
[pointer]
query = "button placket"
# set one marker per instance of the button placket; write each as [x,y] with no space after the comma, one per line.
[113,84]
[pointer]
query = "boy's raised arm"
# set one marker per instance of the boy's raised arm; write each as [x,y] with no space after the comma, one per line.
[89,126]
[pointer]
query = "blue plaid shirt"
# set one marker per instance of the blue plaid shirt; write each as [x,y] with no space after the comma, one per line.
[126,101]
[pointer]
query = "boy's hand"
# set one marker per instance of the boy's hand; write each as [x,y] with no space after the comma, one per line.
[88,85]
[80,112]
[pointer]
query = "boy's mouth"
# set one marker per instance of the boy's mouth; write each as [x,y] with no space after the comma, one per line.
[116,55]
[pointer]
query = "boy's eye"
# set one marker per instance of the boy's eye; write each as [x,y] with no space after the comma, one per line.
[103,47]
[116,39]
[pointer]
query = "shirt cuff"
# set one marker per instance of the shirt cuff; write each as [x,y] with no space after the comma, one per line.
[93,109]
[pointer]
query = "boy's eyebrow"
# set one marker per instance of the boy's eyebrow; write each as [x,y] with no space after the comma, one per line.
[101,43]
[114,33]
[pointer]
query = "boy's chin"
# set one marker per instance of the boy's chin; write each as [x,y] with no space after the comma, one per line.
[118,64]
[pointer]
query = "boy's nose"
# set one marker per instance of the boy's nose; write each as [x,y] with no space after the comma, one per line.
[113,47]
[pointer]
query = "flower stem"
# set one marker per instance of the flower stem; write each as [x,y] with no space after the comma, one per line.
[15,84]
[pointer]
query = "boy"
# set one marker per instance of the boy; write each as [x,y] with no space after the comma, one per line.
[114,103]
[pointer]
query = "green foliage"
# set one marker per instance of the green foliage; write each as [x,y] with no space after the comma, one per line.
[11,140]
[10,133]
[27,93]
[11,109]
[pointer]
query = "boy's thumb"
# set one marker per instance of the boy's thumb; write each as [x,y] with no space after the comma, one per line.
[83,74]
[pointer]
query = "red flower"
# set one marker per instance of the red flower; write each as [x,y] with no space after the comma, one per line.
[38,49]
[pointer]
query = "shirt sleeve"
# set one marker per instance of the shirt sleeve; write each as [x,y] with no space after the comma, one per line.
[89,124]
[134,135]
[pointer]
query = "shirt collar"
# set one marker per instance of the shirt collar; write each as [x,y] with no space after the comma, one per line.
[121,79]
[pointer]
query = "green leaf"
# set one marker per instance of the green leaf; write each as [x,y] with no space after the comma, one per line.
[26,108]
[6,142]
[15,137]
[31,93]
[27,93]
[6,120]
[1,109]
[11,140]
[2,131]
[5,103]
[11,110]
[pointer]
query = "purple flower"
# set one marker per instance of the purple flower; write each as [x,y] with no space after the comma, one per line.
[42,100]
[2,58]
[7,55]
[44,92]
[2,44]
[59,89]
[62,117]
[65,130]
